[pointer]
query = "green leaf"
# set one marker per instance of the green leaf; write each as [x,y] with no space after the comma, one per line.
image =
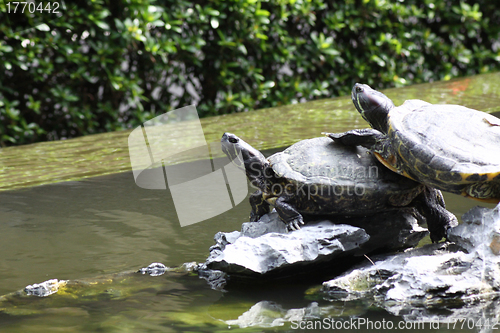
[43,27]
[242,49]
[378,60]
[104,13]
[115,85]
[214,22]
[226,43]
[158,23]
[119,24]
[261,36]
[212,12]
[262,12]
[103,25]
[6,48]
[238,104]
[269,84]
[330,51]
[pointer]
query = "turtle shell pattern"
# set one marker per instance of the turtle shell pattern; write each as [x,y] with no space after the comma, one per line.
[446,146]
[329,177]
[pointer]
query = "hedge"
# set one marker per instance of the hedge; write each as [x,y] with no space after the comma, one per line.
[106,65]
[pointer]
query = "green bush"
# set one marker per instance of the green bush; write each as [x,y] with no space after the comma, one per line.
[108,65]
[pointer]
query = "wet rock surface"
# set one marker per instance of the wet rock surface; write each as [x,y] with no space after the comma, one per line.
[462,277]
[448,286]
[154,269]
[44,289]
[266,249]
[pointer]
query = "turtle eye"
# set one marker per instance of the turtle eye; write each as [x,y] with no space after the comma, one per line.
[359,89]
[233,140]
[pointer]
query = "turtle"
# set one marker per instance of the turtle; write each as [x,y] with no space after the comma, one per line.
[319,176]
[449,147]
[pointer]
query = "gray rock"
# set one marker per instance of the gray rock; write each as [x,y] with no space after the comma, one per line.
[455,277]
[44,289]
[154,269]
[266,247]
[278,250]
[157,268]
[267,224]
[216,279]
[480,230]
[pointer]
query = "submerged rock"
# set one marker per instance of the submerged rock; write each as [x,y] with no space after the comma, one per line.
[447,276]
[266,249]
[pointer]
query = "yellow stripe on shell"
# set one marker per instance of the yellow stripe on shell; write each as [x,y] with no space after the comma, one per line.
[485,200]
[391,167]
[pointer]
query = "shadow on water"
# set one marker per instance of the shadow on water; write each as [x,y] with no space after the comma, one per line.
[88,230]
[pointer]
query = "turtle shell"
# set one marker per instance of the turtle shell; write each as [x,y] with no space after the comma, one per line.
[339,178]
[445,145]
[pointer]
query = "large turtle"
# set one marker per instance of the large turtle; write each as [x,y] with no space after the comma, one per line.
[322,177]
[449,147]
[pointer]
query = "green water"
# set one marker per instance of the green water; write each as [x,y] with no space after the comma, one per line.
[98,228]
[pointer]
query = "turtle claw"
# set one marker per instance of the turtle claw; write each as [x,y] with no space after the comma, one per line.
[295,224]
[254,217]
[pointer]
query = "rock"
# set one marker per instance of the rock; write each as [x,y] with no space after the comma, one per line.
[391,230]
[265,248]
[277,250]
[267,224]
[216,279]
[154,269]
[157,268]
[479,229]
[442,275]
[44,289]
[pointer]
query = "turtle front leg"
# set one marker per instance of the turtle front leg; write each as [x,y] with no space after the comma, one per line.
[288,214]
[431,204]
[366,137]
[259,205]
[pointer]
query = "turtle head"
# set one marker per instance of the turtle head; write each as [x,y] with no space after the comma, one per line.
[373,105]
[245,157]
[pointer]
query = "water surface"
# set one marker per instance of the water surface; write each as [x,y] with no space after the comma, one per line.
[87,221]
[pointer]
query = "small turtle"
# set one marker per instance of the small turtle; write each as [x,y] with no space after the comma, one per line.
[449,147]
[322,177]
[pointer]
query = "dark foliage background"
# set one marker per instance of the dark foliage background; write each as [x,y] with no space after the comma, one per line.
[106,65]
